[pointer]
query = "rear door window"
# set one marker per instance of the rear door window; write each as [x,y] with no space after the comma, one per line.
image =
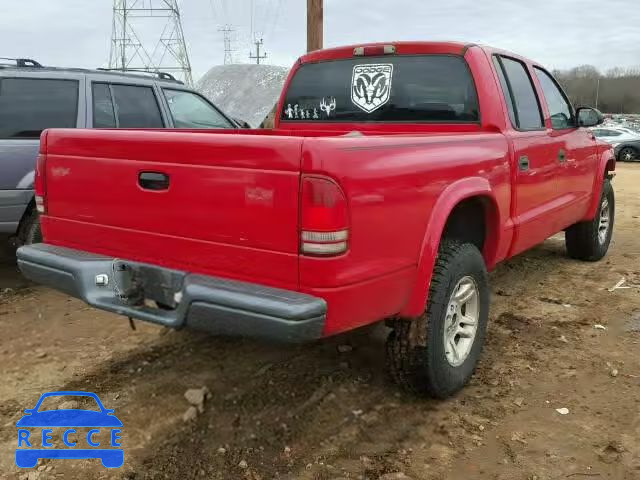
[521,92]
[424,88]
[30,105]
[136,106]
[505,88]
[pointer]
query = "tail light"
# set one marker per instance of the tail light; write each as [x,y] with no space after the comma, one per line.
[40,185]
[324,217]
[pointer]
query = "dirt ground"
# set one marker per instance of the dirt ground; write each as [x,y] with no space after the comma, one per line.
[323,411]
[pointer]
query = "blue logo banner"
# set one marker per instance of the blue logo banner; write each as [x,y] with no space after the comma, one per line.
[69,432]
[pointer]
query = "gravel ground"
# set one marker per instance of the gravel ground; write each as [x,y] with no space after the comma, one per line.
[327,410]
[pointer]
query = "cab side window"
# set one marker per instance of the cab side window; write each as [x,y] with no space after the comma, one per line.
[562,116]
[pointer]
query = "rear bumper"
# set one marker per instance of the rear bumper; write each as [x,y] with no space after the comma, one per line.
[216,305]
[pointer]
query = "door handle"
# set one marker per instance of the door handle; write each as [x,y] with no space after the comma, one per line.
[562,156]
[523,163]
[153,180]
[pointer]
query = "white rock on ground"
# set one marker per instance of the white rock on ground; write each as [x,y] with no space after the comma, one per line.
[197,397]
[190,414]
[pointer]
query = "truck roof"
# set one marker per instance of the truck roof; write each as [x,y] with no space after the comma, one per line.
[400,48]
[406,48]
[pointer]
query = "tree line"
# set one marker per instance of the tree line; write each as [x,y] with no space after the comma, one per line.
[616,91]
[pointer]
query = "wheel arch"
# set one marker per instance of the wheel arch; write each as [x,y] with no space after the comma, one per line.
[605,169]
[459,200]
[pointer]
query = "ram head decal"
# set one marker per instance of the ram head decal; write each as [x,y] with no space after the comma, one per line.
[371,86]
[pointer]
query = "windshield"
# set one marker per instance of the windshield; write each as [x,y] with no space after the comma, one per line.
[425,88]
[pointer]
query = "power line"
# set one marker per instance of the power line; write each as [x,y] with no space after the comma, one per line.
[252,13]
[275,20]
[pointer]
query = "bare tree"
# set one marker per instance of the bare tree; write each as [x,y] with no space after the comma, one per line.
[617,91]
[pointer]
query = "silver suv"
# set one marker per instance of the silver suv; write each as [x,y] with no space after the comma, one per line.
[33,98]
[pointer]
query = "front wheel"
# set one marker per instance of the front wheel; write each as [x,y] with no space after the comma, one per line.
[436,354]
[590,240]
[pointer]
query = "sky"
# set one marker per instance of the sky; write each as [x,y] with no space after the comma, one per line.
[557,33]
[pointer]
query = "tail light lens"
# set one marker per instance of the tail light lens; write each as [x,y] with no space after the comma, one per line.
[40,185]
[324,217]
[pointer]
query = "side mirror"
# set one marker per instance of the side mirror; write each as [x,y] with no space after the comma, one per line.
[589,117]
[29,411]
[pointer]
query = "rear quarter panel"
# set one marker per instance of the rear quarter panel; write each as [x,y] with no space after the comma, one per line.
[400,191]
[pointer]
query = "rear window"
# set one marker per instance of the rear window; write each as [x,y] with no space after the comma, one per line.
[427,88]
[30,105]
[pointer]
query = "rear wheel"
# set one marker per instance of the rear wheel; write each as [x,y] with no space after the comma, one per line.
[628,154]
[30,231]
[436,354]
[590,240]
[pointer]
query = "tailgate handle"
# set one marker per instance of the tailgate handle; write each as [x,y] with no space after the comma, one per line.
[153,180]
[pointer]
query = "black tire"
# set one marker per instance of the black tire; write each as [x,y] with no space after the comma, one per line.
[628,154]
[416,355]
[30,231]
[583,240]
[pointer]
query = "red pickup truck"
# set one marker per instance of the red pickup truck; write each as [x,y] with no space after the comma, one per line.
[395,177]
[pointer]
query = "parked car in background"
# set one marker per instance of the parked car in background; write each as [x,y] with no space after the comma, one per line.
[625,141]
[395,176]
[33,98]
[628,151]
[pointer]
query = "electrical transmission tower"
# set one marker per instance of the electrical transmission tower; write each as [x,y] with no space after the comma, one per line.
[135,44]
[257,57]
[228,30]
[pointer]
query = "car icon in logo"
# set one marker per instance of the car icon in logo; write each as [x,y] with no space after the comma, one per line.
[32,447]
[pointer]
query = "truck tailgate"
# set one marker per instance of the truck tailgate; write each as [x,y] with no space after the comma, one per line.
[214,203]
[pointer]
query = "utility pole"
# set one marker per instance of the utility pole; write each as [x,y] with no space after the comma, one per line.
[228,30]
[597,93]
[314,25]
[257,57]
